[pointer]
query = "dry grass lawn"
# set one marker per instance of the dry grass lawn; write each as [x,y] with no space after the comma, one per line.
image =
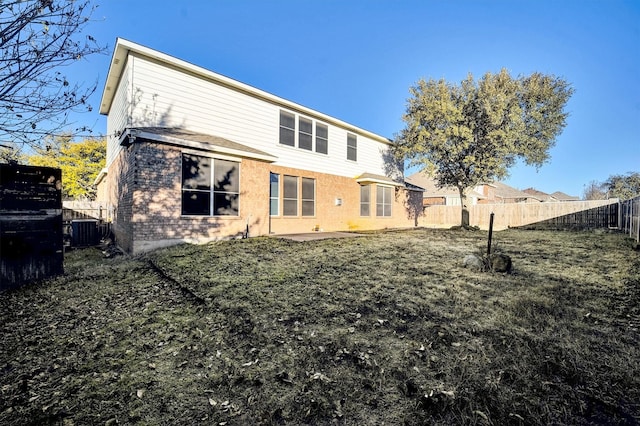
[388,328]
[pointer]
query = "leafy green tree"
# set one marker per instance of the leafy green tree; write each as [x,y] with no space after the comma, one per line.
[81,162]
[472,133]
[37,38]
[623,186]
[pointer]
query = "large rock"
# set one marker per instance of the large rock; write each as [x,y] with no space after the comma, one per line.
[474,262]
[500,263]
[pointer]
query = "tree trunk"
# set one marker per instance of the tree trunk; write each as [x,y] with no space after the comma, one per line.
[464,221]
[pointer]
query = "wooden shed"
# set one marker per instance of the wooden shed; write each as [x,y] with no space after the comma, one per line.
[31,246]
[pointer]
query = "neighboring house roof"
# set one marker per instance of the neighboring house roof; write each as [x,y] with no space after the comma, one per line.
[413,187]
[187,138]
[431,188]
[507,192]
[561,196]
[543,196]
[124,47]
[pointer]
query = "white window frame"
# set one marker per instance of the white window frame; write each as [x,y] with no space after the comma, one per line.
[365,203]
[274,198]
[211,190]
[387,201]
[304,200]
[352,149]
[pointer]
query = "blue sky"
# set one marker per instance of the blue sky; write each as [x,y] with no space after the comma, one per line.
[356,59]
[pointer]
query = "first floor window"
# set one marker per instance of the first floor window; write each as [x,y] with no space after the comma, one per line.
[308,197]
[290,196]
[210,187]
[365,200]
[274,195]
[383,201]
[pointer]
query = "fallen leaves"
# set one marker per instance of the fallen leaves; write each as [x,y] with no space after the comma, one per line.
[279,342]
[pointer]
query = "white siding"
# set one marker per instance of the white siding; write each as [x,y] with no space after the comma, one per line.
[166,97]
[118,115]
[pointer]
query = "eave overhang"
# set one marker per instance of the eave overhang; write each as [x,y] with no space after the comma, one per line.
[199,141]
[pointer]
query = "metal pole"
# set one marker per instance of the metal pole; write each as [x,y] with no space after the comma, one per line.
[490,234]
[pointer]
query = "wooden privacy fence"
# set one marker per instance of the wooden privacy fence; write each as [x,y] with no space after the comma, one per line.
[512,215]
[72,210]
[607,217]
[31,245]
[630,217]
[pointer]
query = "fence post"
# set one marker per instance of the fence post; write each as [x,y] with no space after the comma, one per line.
[490,234]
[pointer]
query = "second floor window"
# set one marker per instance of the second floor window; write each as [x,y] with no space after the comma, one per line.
[303,136]
[322,138]
[352,147]
[287,128]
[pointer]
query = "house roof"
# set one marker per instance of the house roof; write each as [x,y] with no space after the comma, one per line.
[507,192]
[543,196]
[189,139]
[124,47]
[431,188]
[561,196]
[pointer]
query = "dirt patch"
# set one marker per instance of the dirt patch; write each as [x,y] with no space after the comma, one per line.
[387,328]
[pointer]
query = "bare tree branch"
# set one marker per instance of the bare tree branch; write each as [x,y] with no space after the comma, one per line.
[37,37]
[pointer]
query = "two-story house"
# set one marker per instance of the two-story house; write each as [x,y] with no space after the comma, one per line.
[194,156]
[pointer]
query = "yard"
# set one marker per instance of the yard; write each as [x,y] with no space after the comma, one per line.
[388,328]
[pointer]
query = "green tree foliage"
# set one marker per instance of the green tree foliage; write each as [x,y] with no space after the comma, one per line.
[80,162]
[472,133]
[623,187]
[37,38]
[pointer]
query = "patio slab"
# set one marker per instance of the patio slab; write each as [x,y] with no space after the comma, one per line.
[313,236]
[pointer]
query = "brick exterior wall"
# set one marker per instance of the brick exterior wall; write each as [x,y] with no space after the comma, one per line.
[119,198]
[145,192]
[345,217]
